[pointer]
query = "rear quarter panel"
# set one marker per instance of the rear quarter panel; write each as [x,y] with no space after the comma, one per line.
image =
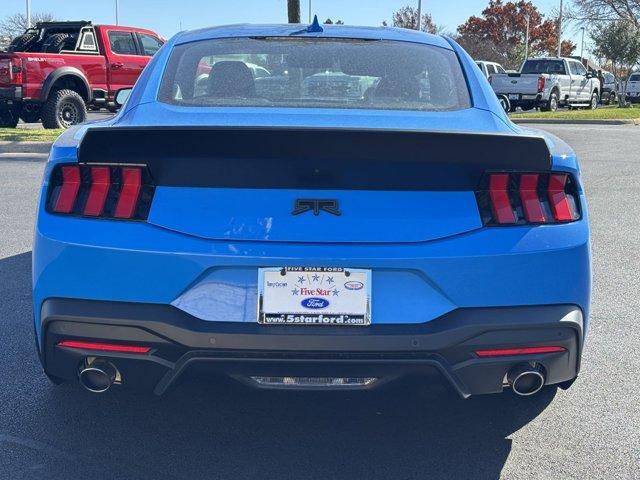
[39,66]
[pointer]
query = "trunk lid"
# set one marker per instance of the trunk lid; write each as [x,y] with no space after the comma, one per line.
[311,184]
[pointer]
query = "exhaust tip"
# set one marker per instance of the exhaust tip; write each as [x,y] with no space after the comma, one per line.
[526,380]
[97,376]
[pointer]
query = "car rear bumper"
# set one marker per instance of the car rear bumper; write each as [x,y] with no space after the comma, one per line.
[520,98]
[443,347]
[8,94]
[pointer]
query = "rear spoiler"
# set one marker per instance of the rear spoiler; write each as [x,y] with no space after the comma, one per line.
[313,158]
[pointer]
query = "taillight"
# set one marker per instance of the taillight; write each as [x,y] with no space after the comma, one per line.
[499,196]
[68,191]
[16,71]
[520,198]
[98,190]
[129,193]
[541,82]
[558,199]
[101,191]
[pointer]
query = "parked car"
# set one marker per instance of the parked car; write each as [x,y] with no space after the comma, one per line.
[632,90]
[491,68]
[55,70]
[549,83]
[311,238]
[610,85]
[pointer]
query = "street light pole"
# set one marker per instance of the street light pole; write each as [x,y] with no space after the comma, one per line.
[419,15]
[582,47]
[28,13]
[117,13]
[526,42]
[560,31]
[309,11]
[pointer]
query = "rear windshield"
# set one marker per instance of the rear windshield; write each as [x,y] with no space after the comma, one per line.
[311,72]
[544,66]
[635,77]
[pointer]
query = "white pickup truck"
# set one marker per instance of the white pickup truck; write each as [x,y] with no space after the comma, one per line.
[548,83]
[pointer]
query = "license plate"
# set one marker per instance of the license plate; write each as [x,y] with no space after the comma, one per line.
[314,296]
[514,96]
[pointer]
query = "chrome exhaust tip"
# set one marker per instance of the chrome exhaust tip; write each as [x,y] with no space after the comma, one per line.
[525,379]
[97,376]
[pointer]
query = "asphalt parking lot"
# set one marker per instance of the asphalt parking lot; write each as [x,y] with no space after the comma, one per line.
[404,431]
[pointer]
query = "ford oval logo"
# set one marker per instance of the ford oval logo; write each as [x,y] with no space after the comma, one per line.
[315,303]
[353,285]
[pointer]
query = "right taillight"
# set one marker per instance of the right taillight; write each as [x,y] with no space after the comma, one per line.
[541,82]
[518,198]
[101,191]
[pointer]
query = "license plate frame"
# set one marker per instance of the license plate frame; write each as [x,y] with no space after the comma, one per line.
[315,296]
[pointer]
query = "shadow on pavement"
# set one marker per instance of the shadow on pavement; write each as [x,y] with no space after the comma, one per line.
[222,429]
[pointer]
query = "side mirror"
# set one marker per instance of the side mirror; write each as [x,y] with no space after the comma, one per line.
[122,96]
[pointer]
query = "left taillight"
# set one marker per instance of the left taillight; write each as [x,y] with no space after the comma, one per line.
[517,198]
[16,71]
[101,191]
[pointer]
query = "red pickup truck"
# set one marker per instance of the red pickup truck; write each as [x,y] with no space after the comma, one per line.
[55,70]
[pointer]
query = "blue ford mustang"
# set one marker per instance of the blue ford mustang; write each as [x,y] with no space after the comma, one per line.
[311,207]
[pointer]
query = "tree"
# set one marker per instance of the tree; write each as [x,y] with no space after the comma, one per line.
[14,25]
[293,11]
[619,42]
[595,12]
[407,17]
[501,32]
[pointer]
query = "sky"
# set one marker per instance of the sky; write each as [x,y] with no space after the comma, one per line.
[169,16]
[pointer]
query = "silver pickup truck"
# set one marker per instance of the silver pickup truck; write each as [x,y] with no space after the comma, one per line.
[548,83]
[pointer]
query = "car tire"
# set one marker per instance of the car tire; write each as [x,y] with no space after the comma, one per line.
[612,99]
[552,104]
[113,108]
[8,119]
[504,103]
[595,100]
[63,109]
[23,42]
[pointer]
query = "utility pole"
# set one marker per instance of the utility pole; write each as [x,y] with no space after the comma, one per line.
[582,47]
[293,11]
[117,13]
[309,11]
[526,41]
[28,13]
[560,31]
[419,15]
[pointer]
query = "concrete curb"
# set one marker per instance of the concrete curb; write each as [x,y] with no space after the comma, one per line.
[577,121]
[24,157]
[25,147]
